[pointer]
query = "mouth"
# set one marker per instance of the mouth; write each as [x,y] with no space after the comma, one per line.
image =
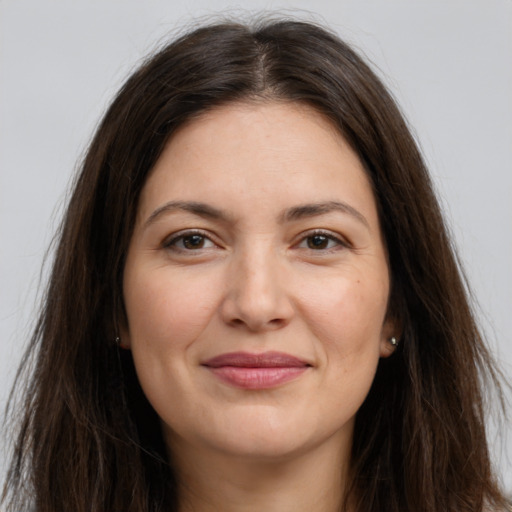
[256,371]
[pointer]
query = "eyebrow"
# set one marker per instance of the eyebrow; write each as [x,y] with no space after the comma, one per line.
[197,208]
[291,214]
[316,209]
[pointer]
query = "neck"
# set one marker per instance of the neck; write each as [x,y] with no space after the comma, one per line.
[309,481]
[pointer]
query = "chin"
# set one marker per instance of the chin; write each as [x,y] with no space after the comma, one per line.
[263,435]
[261,447]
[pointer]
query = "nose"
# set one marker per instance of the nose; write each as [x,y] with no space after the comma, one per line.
[257,296]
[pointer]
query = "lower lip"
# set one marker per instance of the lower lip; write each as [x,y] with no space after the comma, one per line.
[257,378]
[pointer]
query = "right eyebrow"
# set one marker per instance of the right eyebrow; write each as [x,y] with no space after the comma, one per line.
[197,208]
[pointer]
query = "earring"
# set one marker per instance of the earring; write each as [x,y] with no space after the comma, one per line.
[393,341]
[118,341]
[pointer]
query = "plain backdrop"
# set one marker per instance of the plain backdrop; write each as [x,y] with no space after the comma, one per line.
[448,62]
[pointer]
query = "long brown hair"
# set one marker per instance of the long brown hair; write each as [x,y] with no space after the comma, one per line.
[90,441]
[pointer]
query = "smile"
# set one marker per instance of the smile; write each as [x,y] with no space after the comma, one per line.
[256,371]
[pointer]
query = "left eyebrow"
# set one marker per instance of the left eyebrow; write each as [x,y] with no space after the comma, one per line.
[316,209]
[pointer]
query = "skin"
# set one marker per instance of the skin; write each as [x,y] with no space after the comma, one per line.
[314,285]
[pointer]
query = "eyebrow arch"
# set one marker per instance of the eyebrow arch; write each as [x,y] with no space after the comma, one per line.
[315,209]
[197,208]
[291,214]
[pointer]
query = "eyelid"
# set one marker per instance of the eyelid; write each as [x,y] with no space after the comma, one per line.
[331,235]
[169,241]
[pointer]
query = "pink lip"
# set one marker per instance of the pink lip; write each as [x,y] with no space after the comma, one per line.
[256,371]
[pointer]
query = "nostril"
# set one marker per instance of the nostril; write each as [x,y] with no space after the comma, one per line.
[275,323]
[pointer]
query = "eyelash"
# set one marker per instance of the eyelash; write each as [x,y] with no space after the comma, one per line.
[172,243]
[329,236]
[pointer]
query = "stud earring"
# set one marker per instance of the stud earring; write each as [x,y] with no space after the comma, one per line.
[393,341]
[120,344]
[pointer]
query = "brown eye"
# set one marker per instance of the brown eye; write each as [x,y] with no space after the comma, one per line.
[321,241]
[193,242]
[317,242]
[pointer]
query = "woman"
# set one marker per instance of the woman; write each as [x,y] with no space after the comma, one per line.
[254,304]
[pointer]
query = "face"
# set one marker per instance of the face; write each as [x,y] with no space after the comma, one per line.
[256,284]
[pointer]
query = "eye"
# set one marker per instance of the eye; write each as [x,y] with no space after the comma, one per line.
[189,241]
[320,241]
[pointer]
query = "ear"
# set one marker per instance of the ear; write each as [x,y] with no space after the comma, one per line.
[122,329]
[124,336]
[392,328]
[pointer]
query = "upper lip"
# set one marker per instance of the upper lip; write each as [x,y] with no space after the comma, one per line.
[270,359]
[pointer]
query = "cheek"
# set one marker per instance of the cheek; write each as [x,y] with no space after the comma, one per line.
[166,310]
[348,312]
[348,320]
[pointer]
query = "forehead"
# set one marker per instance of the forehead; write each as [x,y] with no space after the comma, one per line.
[258,154]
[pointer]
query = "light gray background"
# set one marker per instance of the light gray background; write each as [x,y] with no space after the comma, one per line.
[448,62]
